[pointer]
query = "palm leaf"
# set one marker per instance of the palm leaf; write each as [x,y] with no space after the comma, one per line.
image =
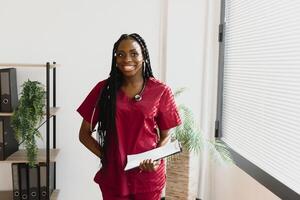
[191,138]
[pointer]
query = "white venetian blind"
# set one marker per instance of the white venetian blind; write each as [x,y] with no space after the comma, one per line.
[261,99]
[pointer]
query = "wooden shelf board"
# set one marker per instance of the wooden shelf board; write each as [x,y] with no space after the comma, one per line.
[6,65]
[20,156]
[2,114]
[53,112]
[54,195]
[8,195]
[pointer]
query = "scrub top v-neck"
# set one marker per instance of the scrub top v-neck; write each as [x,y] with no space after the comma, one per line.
[136,123]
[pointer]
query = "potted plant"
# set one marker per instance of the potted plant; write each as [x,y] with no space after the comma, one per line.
[191,140]
[28,115]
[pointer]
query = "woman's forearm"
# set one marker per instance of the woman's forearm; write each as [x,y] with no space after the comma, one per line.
[90,143]
[86,138]
[164,138]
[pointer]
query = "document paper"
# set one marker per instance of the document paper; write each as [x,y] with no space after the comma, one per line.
[134,160]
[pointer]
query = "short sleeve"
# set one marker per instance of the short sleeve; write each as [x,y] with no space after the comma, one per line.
[89,107]
[167,116]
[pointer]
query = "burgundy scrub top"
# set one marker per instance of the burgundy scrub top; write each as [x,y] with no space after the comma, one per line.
[136,123]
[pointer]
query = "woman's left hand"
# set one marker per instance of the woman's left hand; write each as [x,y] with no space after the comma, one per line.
[149,165]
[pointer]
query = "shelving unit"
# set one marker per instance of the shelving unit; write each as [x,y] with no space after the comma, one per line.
[48,154]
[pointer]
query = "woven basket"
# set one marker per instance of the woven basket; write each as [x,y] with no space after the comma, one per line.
[177,186]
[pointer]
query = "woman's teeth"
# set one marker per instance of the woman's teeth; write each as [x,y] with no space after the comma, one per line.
[128,68]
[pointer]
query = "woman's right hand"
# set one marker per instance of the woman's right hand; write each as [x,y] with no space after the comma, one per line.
[149,165]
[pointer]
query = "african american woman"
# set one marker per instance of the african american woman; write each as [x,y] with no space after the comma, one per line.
[133,112]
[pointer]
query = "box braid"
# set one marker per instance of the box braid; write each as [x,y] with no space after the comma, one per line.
[107,102]
[147,67]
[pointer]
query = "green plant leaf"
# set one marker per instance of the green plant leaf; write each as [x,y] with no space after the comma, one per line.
[28,115]
[191,138]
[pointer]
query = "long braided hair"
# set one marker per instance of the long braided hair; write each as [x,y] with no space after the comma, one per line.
[107,102]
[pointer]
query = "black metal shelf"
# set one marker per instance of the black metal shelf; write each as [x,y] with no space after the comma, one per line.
[50,113]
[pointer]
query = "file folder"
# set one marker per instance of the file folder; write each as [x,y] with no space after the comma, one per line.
[8,90]
[23,175]
[43,183]
[16,181]
[2,155]
[8,142]
[33,181]
[51,178]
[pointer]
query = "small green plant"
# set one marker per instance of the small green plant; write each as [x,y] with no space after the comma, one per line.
[191,138]
[26,117]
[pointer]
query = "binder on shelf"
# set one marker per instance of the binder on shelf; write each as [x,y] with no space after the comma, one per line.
[8,90]
[23,175]
[16,181]
[43,183]
[52,174]
[2,155]
[33,183]
[8,142]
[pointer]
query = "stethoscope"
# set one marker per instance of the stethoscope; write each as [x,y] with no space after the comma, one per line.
[93,113]
[138,97]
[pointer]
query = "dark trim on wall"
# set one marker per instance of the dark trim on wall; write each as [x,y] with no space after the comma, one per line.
[222,27]
[275,186]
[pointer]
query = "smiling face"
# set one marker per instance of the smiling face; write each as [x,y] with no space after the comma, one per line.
[129,58]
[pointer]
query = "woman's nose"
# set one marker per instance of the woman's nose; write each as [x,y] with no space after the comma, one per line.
[128,58]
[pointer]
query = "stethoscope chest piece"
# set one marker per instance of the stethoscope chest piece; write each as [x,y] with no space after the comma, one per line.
[137,97]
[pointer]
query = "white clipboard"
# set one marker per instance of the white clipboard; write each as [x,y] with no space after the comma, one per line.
[169,149]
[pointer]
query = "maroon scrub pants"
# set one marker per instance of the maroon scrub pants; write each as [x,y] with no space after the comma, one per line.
[108,194]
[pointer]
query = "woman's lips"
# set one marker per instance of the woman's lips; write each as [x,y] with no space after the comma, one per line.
[128,67]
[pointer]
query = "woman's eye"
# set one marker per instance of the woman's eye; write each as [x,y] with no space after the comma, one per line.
[134,54]
[119,55]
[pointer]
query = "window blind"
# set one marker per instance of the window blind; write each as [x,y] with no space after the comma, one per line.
[261,85]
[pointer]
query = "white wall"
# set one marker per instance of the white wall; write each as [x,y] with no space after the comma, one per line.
[79,35]
[185,58]
[232,183]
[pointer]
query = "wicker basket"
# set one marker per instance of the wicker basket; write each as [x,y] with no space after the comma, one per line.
[177,186]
